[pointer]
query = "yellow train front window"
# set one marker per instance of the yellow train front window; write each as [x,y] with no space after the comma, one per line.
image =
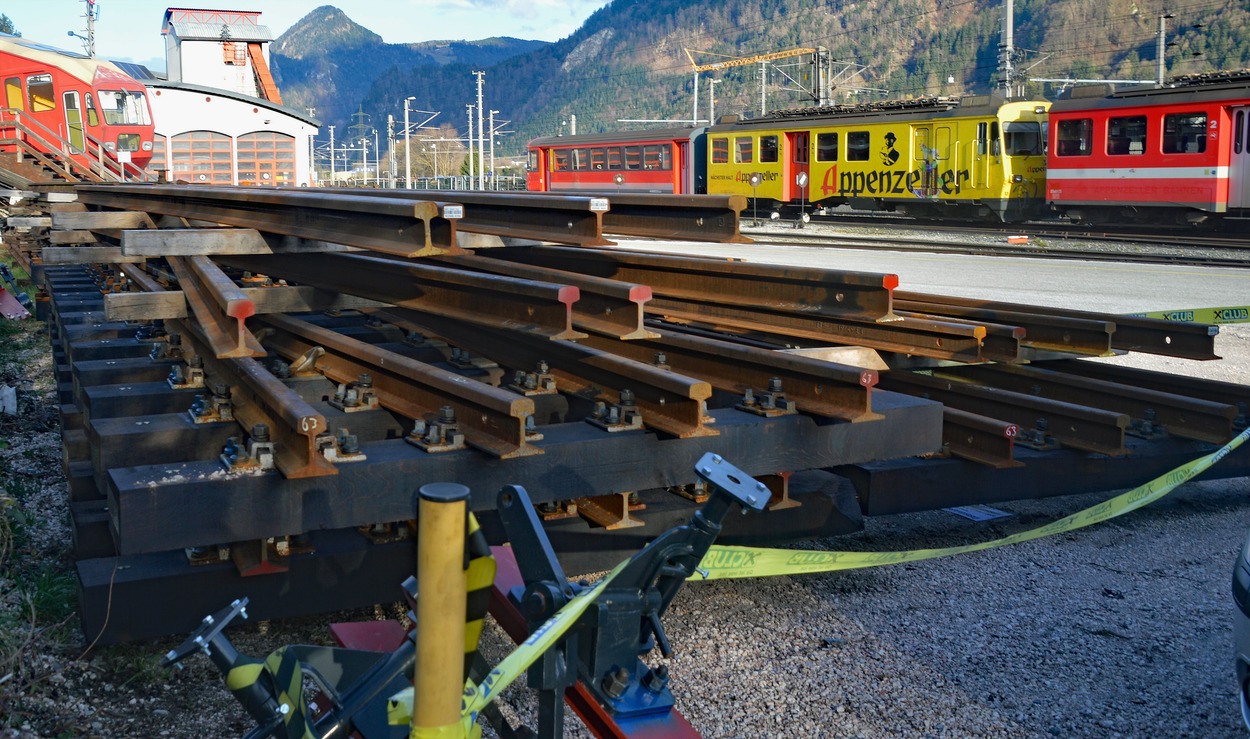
[39,90]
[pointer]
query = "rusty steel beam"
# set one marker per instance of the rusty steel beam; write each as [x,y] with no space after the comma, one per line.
[400,227]
[1146,335]
[259,397]
[492,420]
[494,300]
[715,218]
[817,293]
[607,307]
[815,386]
[561,219]
[669,402]
[1079,427]
[1189,418]
[1213,390]
[987,441]
[219,306]
[1042,332]
[949,340]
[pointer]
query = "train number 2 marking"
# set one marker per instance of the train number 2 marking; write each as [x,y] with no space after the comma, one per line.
[891,182]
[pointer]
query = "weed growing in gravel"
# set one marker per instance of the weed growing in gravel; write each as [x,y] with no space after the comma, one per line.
[139,666]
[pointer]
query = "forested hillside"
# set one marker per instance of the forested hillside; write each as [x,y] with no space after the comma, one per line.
[628,61]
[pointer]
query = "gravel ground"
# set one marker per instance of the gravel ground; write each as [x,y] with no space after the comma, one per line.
[1118,630]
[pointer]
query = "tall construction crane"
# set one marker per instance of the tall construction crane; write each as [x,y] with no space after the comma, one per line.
[737,61]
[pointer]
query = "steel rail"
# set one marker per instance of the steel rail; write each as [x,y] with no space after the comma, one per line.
[817,387]
[669,402]
[607,307]
[936,339]
[1079,427]
[492,420]
[220,307]
[1042,332]
[504,302]
[1146,335]
[802,290]
[562,219]
[260,398]
[715,218]
[1213,390]
[399,227]
[980,439]
[1186,417]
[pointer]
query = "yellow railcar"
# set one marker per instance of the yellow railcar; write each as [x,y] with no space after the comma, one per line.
[958,157]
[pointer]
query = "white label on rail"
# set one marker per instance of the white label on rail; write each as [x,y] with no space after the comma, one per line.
[598,205]
[453,211]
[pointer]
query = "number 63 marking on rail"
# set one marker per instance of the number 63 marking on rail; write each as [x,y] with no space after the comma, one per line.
[308,423]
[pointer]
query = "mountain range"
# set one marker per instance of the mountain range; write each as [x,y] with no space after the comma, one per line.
[632,59]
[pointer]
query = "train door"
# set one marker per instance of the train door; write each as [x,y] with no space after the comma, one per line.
[74,123]
[924,162]
[1239,164]
[797,164]
[683,185]
[979,172]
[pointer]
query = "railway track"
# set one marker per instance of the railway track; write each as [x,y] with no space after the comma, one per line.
[1043,243]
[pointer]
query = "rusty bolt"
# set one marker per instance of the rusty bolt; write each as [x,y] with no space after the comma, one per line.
[543,367]
[614,415]
[601,409]
[365,380]
[447,415]
[748,397]
[260,432]
[433,434]
[196,361]
[661,358]
[616,683]
[627,397]
[350,444]
[774,385]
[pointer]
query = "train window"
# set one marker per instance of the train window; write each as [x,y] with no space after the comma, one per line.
[943,148]
[720,151]
[653,157]
[857,143]
[73,123]
[124,107]
[39,90]
[744,150]
[1126,135]
[559,160]
[1023,138]
[1185,133]
[532,165]
[666,156]
[614,158]
[768,148]
[801,152]
[13,93]
[1239,134]
[598,157]
[983,138]
[1073,137]
[826,147]
[93,116]
[581,159]
[633,157]
[921,150]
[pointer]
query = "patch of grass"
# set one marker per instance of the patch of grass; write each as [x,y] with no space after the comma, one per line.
[129,664]
[54,596]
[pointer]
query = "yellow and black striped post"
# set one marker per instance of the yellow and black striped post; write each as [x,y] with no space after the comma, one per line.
[442,588]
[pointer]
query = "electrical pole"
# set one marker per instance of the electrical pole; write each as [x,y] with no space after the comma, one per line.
[763,82]
[711,102]
[390,146]
[332,178]
[481,163]
[494,181]
[407,148]
[1009,49]
[1161,49]
[470,107]
[694,117]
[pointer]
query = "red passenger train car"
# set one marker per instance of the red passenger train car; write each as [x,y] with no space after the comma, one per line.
[660,161]
[1179,153]
[83,113]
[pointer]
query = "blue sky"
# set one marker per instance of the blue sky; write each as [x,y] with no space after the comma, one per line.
[131,29]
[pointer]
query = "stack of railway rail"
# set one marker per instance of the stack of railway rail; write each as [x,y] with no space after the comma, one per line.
[255,383]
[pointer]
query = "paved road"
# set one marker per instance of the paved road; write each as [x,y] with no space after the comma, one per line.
[1097,286]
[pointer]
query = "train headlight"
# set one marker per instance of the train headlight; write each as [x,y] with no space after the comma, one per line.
[147,146]
[110,146]
[1017,178]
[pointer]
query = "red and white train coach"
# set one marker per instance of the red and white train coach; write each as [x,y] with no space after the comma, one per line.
[1179,153]
[660,160]
[72,107]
